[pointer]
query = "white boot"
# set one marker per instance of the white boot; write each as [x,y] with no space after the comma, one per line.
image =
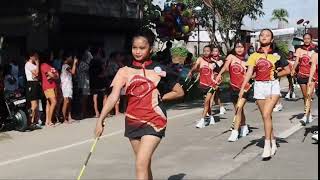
[222,110]
[274,147]
[278,108]
[267,149]
[244,131]
[288,96]
[310,119]
[201,124]
[233,136]
[212,121]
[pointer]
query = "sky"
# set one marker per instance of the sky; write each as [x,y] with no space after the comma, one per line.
[298,9]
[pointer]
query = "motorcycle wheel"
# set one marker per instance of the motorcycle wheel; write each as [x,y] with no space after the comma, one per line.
[21,121]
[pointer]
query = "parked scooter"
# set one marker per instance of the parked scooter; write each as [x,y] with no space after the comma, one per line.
[13,111]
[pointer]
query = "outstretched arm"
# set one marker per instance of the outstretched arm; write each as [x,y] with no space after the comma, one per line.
[296,63]
[314,62]
[194,68]
[246,80]
[74,67]
[176,93]
[223,69]
[113,98]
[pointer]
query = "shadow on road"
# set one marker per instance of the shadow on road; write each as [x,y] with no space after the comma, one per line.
[259,143]
[177,176]
[297,116]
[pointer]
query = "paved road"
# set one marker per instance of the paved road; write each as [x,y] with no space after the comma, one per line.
[185,153]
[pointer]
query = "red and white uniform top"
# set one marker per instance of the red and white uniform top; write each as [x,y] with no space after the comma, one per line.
[304,54]
[144,85]
[237,70]
[209,67]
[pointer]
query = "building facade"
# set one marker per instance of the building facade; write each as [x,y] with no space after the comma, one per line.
[67,24]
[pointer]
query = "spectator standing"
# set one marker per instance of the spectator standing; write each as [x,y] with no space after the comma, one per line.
[33,88]
[68,70]
[166,57]
[58,60]
[49,85]
[84,80]
[116,61]
[97,80]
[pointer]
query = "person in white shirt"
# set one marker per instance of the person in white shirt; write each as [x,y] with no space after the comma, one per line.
[33,88]
[68,70]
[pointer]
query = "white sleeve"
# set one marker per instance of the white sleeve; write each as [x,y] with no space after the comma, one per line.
[28,67]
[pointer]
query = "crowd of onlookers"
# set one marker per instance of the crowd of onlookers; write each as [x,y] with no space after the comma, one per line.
[51,80]
[63,85]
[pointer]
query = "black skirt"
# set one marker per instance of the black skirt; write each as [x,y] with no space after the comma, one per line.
[33,91]
[139,132]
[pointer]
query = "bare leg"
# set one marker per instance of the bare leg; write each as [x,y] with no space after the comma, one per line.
[65,109]
[240,114]
[116,107]
[207,105]
[48,121]
[145,150]
[34,111]
[69,110]
[291,88]
[304,92]
[266,107]
[53,103]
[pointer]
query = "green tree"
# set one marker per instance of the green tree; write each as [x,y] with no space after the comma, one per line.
[281,16]
[226,15]
[283,48]
[217,15]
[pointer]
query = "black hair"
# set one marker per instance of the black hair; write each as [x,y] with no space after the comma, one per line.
[44,56]
[307,34]
[233,51]
[146,33]
[208,46]
[267,29]
[66,54]
[272,45]
[31,53]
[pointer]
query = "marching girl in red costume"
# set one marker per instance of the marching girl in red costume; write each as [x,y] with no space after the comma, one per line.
[207,67]
[303,55]
[236,66]
[266,63]
[216,58]
[147,85]
[291,79]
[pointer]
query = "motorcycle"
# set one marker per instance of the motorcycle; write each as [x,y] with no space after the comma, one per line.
[13,111]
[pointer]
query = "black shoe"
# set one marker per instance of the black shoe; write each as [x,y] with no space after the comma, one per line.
[33,127]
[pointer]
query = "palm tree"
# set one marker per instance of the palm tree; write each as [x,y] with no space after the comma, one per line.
[281,16]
